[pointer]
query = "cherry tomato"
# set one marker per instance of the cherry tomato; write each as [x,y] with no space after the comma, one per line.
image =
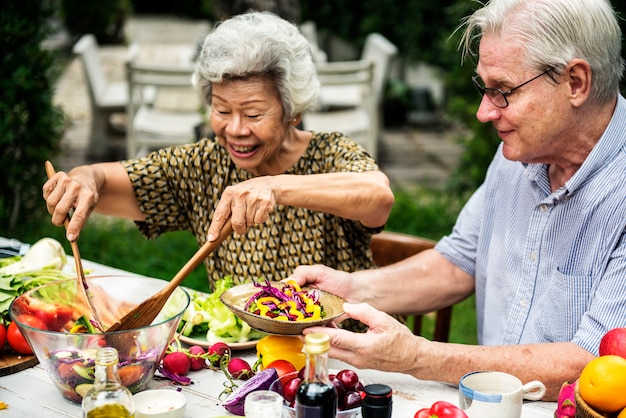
[3,336]
[17,340]
[441,409]
[282,367]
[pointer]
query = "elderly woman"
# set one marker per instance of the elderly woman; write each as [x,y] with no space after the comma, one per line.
[293,197]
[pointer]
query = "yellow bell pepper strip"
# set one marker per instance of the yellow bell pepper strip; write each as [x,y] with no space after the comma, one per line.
[280,347]
[291,307]
[290,303]
[266,304]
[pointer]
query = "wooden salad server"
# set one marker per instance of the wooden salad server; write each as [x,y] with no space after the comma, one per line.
[79,265]
[143,314]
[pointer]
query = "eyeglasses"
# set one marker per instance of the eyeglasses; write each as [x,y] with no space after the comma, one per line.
[497,96]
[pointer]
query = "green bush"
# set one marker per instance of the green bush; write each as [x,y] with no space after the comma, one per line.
[105,19]
[30,125]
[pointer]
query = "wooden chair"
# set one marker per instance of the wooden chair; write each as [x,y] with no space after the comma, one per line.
[106,97]
[355,121]
[391,247]
[163,122]
[339,100]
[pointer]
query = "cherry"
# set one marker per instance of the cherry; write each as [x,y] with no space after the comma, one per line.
[348,378]
[290,388]
[352,399]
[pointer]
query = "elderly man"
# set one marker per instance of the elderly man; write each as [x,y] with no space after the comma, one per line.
[542,242]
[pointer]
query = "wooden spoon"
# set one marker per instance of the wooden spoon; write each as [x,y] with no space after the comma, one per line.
[143,314]
[79,264]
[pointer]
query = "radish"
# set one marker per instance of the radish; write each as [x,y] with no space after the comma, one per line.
[197,357]
[260,381]
[177,362]
[216,352]
[240,369]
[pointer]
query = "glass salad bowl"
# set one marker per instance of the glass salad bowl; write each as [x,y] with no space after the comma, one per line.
[55,320]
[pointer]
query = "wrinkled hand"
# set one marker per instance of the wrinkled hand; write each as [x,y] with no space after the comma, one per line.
[63,194]
[247,204]
[324,278]
[388,345]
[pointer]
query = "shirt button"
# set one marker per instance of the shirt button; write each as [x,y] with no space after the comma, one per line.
[522,302]
[543,208]
[533,256]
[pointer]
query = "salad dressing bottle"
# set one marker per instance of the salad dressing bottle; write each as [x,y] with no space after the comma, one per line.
[108,398]
[316,396]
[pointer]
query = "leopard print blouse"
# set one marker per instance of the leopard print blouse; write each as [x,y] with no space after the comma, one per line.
[177,189]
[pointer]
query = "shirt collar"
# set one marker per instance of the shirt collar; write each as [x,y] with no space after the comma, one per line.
[607,148]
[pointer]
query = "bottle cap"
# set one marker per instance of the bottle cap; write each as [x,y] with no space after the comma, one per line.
[316,343]
[376,395]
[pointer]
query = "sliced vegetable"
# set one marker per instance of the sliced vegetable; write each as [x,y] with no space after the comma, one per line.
[43,263]
[260,381]
[208,316]
[290,303]
[45,254]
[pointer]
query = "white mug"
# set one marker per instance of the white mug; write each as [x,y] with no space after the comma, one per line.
[496,394]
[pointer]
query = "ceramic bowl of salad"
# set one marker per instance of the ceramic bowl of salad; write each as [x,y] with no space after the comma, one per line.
[55,320]
[282,307]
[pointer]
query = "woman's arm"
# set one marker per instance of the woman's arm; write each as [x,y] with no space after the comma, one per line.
[365,197]
[103,187]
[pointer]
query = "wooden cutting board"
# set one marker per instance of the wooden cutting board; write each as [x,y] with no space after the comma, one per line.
[11,362]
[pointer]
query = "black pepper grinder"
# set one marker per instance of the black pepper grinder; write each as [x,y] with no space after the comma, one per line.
[377,401]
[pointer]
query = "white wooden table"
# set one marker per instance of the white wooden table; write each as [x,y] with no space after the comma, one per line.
[30,393]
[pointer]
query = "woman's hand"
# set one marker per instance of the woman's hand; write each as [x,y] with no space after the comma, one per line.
[388,345]
[63,194]
[247,204]
[104,187]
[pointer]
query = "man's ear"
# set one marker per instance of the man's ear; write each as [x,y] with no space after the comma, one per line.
[578,76]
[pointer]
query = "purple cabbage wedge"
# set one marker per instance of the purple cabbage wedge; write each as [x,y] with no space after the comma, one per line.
[234,403]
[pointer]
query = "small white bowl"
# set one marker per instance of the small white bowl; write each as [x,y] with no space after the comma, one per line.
[159,403]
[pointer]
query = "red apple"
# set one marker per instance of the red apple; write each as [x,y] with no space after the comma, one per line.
[614,342]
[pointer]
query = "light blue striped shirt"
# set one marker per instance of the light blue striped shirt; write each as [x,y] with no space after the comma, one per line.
[548,266]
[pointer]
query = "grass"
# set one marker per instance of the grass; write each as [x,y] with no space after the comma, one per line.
[118,243]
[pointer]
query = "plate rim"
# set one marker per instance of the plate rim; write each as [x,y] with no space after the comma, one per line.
[205,344]
[202,342]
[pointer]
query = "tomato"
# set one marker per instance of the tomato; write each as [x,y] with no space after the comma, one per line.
[55,316]
[282,367]
[17,340]
[3,336]
[441,409]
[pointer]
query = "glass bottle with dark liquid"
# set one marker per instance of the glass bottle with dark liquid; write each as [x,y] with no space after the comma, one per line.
[316,396]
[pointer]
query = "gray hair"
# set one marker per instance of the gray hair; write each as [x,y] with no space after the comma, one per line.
[553,33]
[260,44]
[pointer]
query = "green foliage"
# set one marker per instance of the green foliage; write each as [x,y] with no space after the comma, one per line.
[411,25]
[30,125]
[197,9]
[103,18]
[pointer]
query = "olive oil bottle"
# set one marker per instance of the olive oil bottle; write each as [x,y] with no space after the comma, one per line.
[108,398]
[316,396]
